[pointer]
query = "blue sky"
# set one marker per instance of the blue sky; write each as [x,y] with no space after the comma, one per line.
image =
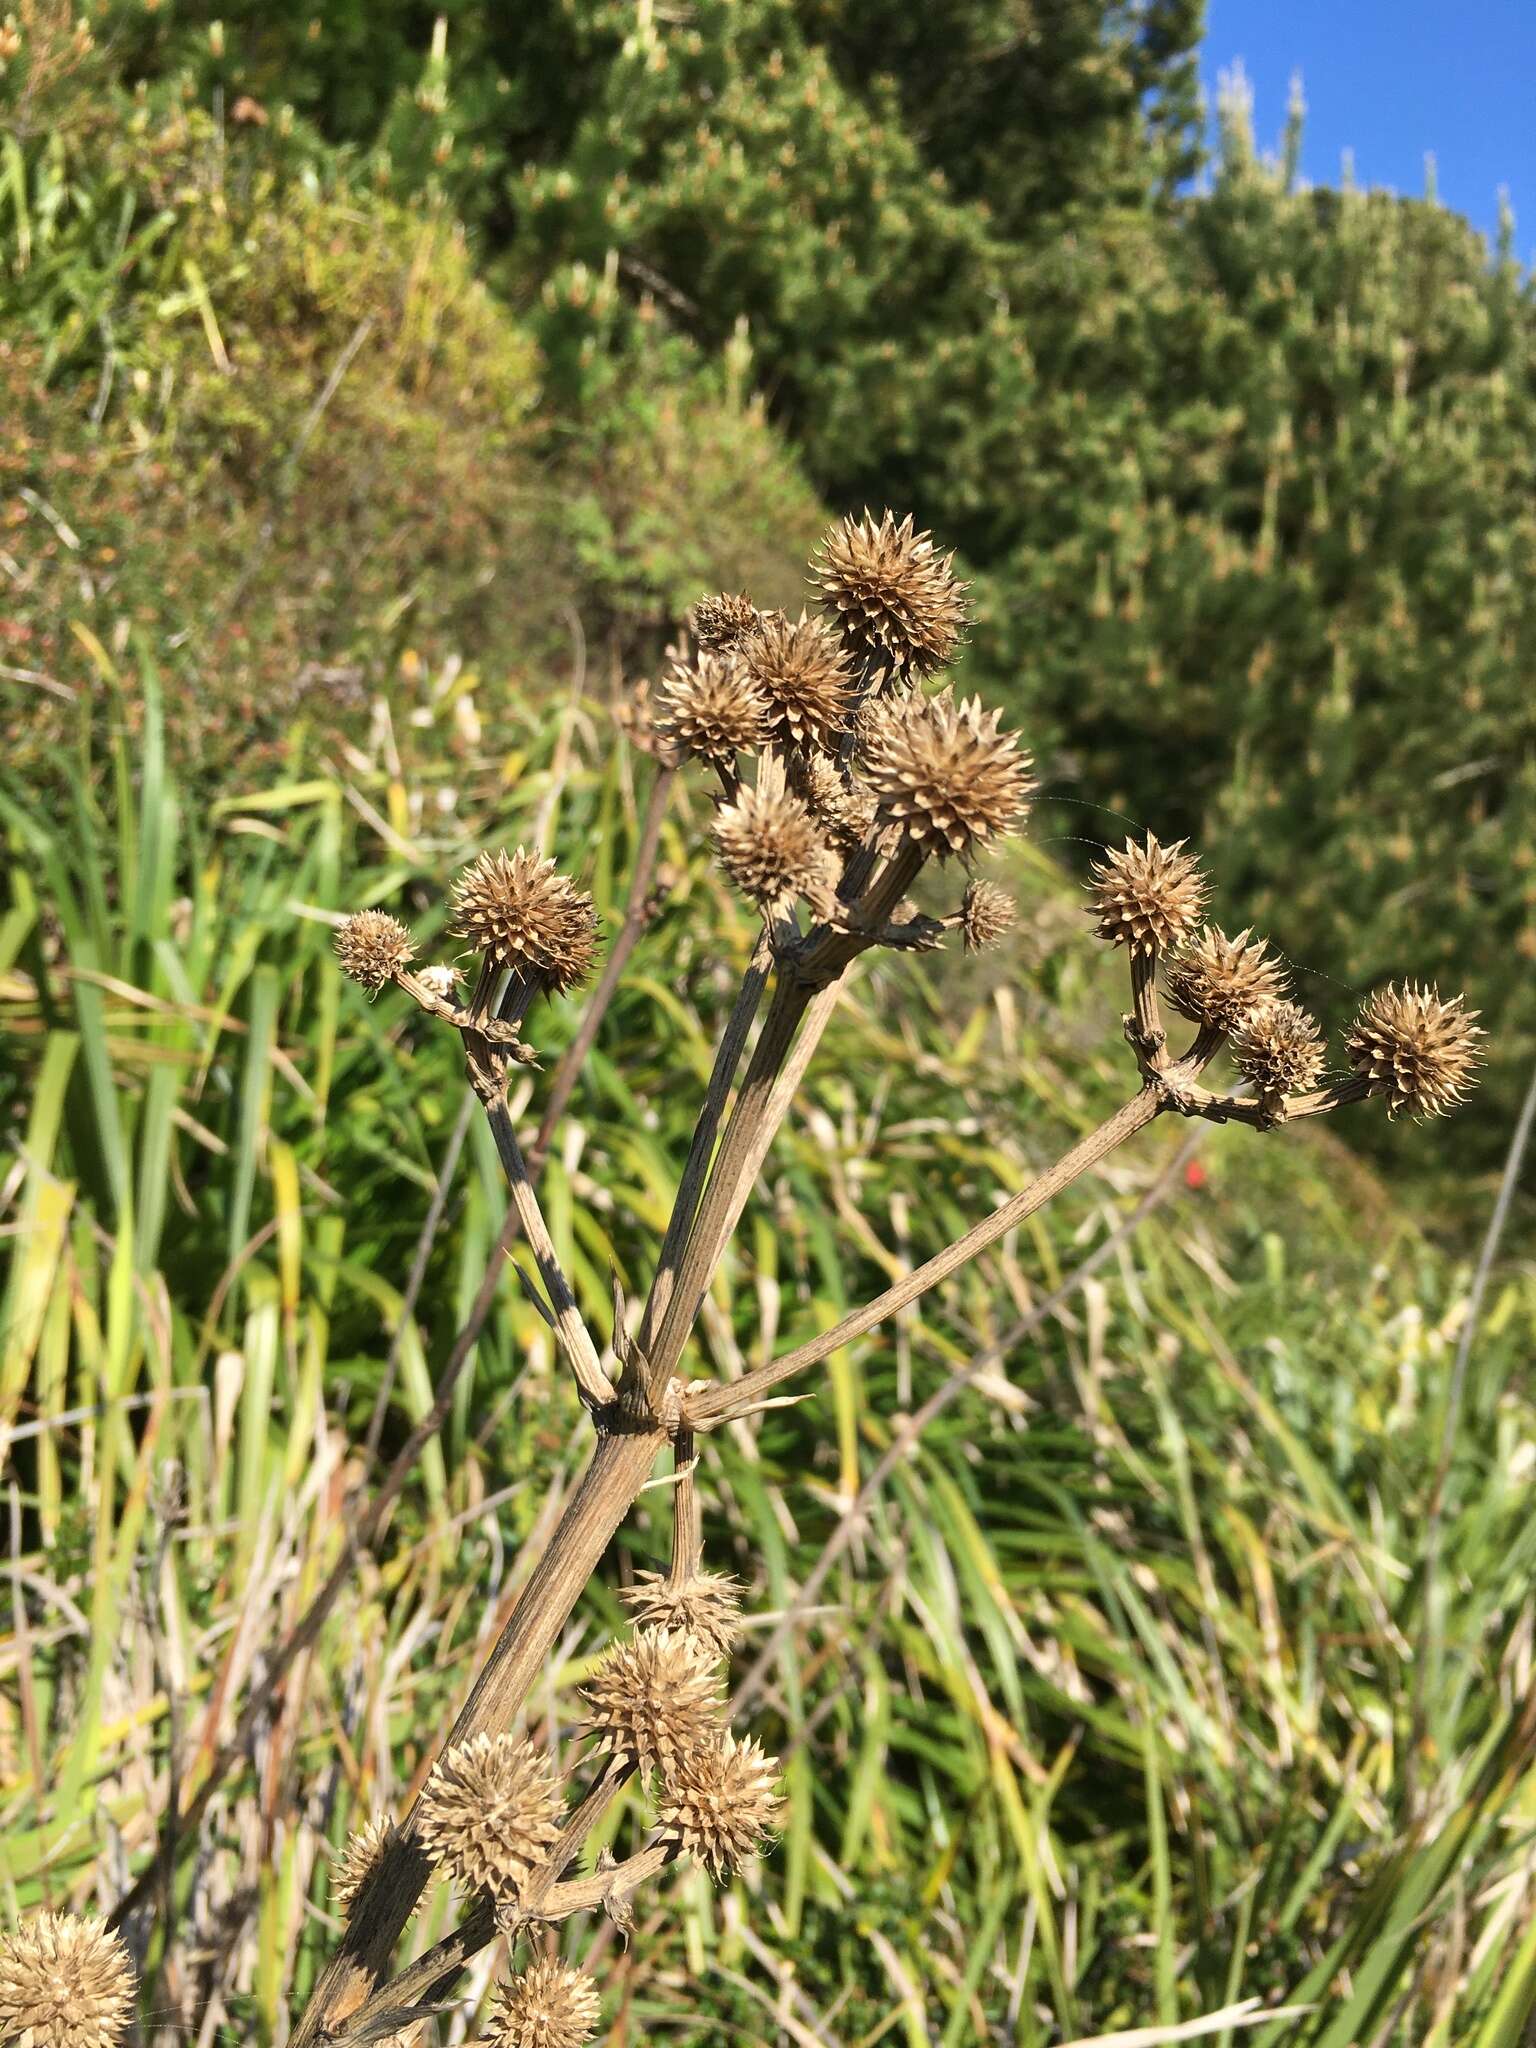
[1392,79]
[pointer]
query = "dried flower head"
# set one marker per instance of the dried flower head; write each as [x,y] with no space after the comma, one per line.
[64,1983]
[770,846]
[359,1859]
[1280,1048]
[987,913]
[804,675]
[521,913]
[944,772]
[635,716]
[898,602]
[843,808]
[372,947]
[549,2006]
[706,1606]
[489,1811]
[722,621]
[1147,896]
[1418,1050]
[654,1699]
[1216,980]
[439,981]
[711,709]
[720,1802]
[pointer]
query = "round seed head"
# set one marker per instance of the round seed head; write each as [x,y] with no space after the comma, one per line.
[711,709]
[1279,1048]
[804,676]
[770,846]
[1216,980]
[64,1983]
[1418,1050]
[898,602]
[549,2006]
[359,1860]
[944,772]
[720,1802]
[372,947]
[987,913]
[654,1698]
[706,1607]
[489,1811]
[520,913]
[1147,897]
[724,620]
[636,716]
[844,808]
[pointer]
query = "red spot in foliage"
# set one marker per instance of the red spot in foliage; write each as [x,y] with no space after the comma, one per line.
[1195,1175]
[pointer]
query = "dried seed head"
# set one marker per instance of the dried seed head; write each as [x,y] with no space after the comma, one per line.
[706,1607]
[770,846]
[711,709]
[1216,980]
[986,914]
[1147,896]
[1280,1048]
[359,1860]
[549,2006]
[720,1802]
[635,716]
[372,947]
[722,621]
[1416,1049]
[897,601]
[520,913]
[441,982]
[64,1983]
[804,675]
[489,1811]
[654,1699]
[944,772]
[843,808]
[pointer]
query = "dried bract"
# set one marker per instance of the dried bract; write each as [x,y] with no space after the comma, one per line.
[945,772]
[987,914]
[1216,980]
[439,981]
[549,2006]
[771,848]
[710,709]
[654,1699]
[1148,896]
[372,947]
[721,1803]
[64,1983]
[1415,1048]
[804,676]
[359,1859]
[724,620]
[489,1811]
[706,1606]
[521,913]
[898,602]
[1280,1048]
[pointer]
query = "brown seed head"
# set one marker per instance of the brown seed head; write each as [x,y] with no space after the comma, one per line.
[1280,1048]
[944,772]
[844,808]
[1418,1050]
[64,1983]
[720,1802]
[359,1859]
[805,677]
[549,2006]
[710,709]
[654,1699]
[706,1607]
[770,846]
[439,981]
[898,602]
[372,947]
[1147,896]
[520,913]
[987,913]
[1216,980]
[722,621]
[489,1811]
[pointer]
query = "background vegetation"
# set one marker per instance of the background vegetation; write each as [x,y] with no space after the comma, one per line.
[373,399]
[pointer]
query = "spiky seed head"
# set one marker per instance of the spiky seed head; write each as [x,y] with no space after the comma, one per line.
[770,846]
[842,807]
[1148,896]
[439,981]
[804,675]
[489,1811]
[1215,980]
[987,913]
[898,602]
[706,1606]
[944,772]
[636,717]
[549,2006]
[711,709]
[1416,1048]
[1280,1048]
[359,1859]
[724,620]
[64,1983]
[372,947]
[654,1698]
[520,912]
[721,1802]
